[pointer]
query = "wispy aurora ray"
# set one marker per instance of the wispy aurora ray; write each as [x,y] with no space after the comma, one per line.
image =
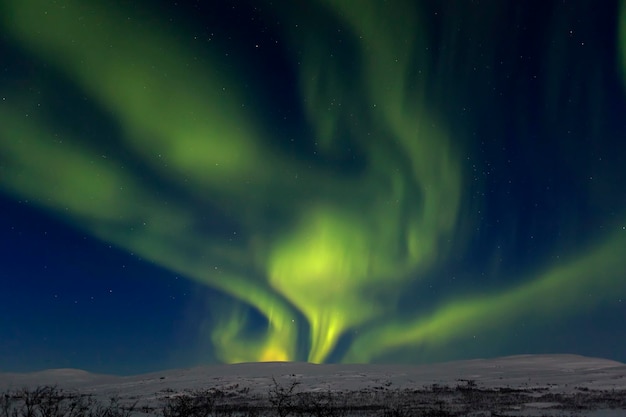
[347,246]
[345,265]
[565,286]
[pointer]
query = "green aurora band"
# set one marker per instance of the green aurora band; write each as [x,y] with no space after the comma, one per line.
[348,245]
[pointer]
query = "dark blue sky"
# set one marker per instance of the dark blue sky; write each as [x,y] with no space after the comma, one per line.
[324,181]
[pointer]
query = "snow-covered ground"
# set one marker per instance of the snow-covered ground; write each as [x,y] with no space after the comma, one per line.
[528,385]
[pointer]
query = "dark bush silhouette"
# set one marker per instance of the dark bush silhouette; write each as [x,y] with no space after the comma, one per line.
[282,398]
[195,404]
[50,401]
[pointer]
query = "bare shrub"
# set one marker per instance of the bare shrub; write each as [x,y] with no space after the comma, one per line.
[194,404]
[282,398]
[327,404]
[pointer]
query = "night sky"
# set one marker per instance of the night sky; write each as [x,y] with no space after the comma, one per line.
[320,180]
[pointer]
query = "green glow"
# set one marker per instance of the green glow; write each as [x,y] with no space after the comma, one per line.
[349,244]
[334,264]
[169,102]
[42,166]
[112,205]
[177,116]
[584,283]
[330,265]
[322,270]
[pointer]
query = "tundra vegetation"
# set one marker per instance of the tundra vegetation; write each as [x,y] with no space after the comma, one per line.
[465,398]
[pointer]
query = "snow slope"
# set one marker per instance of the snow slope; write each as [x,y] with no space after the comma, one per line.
[537,374]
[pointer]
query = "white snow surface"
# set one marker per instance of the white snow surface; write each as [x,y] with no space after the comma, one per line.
[557,373]
[562,372]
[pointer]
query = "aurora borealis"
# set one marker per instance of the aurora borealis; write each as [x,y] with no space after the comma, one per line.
[333,181]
